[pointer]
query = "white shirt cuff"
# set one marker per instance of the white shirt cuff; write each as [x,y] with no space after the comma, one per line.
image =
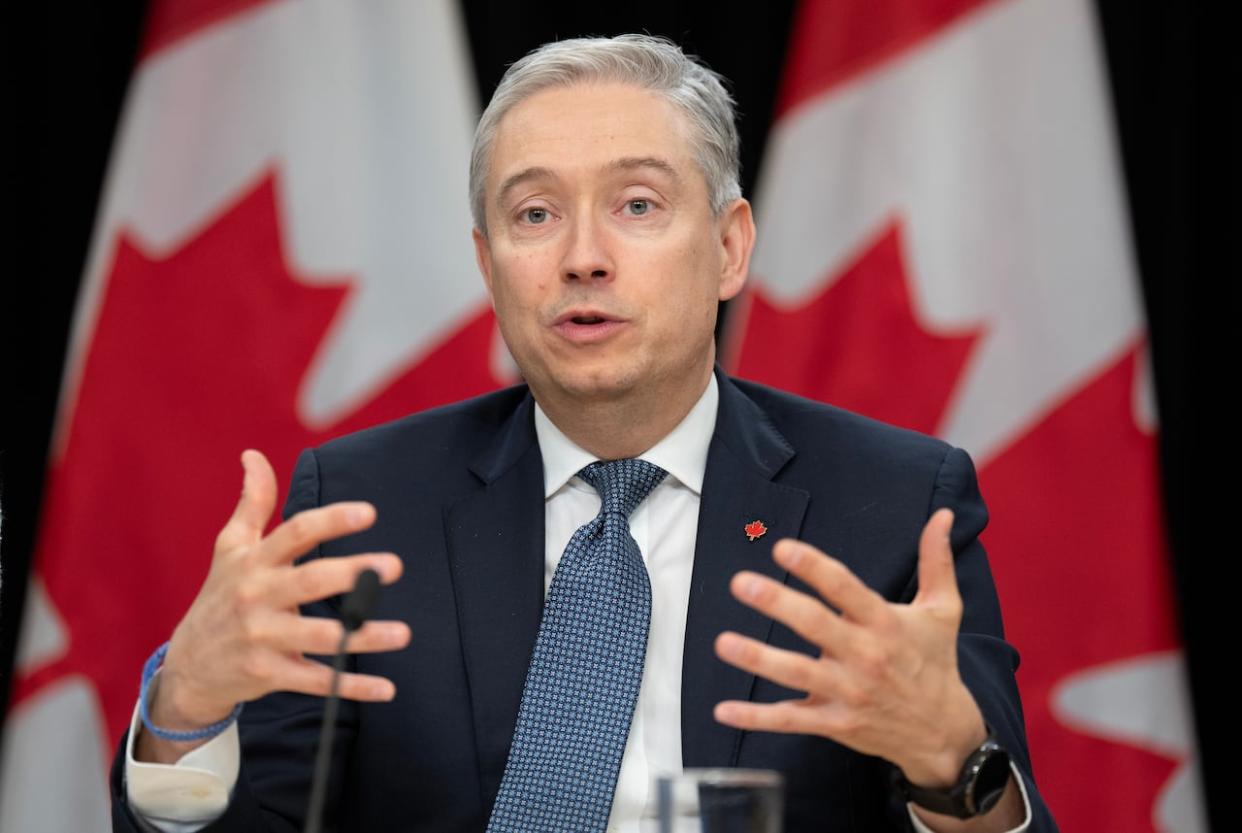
[920,827]
[188,795]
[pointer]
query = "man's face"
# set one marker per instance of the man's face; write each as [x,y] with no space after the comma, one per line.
[603,258]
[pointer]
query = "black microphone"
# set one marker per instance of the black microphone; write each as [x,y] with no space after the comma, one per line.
[356,609]
[360,603]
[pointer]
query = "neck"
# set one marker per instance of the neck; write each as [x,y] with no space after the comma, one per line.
[627,425]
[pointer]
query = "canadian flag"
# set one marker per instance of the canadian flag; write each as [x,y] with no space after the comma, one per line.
[943,245]
[281,254]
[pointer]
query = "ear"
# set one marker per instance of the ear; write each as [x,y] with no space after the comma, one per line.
[483,256]
[737,241]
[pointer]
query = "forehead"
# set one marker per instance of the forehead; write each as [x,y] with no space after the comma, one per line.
[585,129]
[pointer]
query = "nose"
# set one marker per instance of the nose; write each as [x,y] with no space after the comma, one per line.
[587,256]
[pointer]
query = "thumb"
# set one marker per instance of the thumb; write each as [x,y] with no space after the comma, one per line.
[937,578]
[256,504]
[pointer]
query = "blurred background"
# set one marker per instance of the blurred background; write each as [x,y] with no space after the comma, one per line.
[246,225]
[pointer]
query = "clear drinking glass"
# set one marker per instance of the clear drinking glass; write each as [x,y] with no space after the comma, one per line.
[720,801]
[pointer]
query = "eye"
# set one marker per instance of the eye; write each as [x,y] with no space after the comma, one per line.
[534,215]
[638,207]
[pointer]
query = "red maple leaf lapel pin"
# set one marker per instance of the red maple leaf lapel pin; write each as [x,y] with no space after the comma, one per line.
[755,529]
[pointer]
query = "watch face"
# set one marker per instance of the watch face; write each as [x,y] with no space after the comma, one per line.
[990,783]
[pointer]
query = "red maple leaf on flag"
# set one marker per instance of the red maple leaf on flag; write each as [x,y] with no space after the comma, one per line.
[1075,542]
[858,343]
[1078,556]
[194,357]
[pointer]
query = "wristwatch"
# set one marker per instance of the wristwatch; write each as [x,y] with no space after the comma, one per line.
[979,786]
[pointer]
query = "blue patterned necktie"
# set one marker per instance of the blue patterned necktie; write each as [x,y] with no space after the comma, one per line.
[585,671]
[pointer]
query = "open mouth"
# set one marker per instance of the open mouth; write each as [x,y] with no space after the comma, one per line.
[585,318]
[587,327]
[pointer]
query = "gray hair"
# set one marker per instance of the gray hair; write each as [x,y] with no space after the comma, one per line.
[652,63]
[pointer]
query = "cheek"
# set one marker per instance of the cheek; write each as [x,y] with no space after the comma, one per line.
[522,283]
[694,302]
[687,317]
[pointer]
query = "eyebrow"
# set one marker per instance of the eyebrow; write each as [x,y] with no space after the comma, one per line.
[520,177]
[627,163]
[632,163]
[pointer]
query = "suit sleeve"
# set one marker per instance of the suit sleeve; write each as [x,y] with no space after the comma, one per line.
[986,661]
[279,734]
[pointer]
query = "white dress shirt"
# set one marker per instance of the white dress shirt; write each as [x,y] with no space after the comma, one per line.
[183,797]
[664,526]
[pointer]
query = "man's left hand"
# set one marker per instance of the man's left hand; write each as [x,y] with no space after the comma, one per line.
[886,681]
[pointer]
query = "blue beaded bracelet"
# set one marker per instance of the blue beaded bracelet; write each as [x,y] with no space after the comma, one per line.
[148,673]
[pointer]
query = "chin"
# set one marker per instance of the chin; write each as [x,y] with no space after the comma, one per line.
[599,382]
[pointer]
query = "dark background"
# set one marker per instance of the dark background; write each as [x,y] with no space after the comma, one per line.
[65,95]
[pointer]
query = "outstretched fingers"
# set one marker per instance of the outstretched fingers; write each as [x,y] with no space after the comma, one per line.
[832,580]
[788,668]
[805,615]
[320,578]
[311,677]
[255,506]
[307,529]
[788,716]
[937,576]
[322,636]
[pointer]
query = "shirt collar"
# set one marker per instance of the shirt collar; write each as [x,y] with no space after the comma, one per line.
[682,453]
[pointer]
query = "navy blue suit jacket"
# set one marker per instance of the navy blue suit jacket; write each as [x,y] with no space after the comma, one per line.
[459,491]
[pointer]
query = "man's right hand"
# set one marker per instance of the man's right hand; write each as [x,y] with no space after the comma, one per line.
[244,637]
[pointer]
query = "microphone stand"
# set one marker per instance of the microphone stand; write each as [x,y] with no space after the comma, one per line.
[357,608]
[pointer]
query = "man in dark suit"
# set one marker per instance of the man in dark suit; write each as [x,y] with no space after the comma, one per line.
[608,226]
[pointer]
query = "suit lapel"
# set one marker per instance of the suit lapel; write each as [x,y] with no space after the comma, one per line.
[495,538]
[496,554]
[745,454]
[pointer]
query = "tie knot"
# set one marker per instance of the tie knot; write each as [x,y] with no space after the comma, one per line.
[622,484]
